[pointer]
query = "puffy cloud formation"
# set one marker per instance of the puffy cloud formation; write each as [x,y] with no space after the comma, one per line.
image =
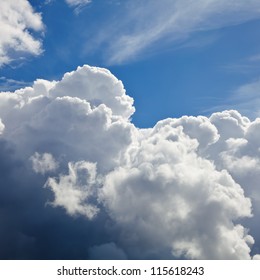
[186,188]
[18,20]
[177,199]
[72,191]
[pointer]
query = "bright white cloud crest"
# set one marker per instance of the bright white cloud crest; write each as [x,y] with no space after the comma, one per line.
[179,189]
[17,20]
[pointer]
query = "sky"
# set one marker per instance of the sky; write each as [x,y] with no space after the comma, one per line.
[129,129]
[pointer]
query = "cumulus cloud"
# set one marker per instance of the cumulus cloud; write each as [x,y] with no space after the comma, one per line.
[169,197]
[18,24]
[72,191]
[186,188]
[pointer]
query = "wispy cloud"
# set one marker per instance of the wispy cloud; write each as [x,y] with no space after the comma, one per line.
[254,58]
[245,98]
[245,65]
[144,25]
[78,4]
[11,84]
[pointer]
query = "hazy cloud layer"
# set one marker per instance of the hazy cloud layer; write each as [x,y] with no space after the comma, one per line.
[79,180]
[18,22]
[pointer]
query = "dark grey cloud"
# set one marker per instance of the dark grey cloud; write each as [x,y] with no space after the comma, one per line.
[29,228]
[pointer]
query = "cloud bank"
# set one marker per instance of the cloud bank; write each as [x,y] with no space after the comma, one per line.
[79,180]
[18,24]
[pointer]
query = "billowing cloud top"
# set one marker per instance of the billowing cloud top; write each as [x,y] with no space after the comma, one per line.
[18,20]
[186,188]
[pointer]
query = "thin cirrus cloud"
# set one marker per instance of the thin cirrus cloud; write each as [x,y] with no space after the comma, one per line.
[144,26]
[77,5]
[149,25]
[77,2]
[245,99]
[18,22]
[185,188]
[11,84]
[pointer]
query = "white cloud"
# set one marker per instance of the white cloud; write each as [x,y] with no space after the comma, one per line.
[169,197]
[77,4]
[172,21]
[73,191]
[18,20]
[43,163]
[51,113]
[97,87]
[2,127]
[185,188]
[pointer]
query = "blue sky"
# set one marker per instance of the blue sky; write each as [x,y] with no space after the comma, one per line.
[128,129]
[186,70]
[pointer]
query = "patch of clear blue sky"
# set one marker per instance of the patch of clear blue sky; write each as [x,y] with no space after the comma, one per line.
[187,78]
